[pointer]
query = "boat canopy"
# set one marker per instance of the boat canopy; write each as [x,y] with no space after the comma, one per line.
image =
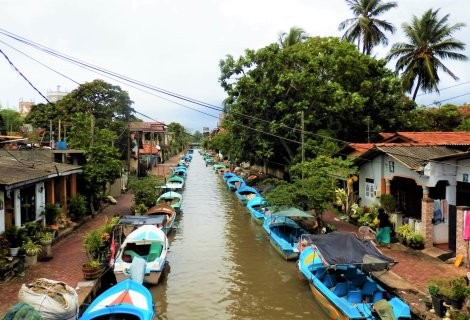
[146,233]
[291,212]
[341,248]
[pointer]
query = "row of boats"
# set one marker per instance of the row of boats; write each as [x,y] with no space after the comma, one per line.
[338,266]
[139,251]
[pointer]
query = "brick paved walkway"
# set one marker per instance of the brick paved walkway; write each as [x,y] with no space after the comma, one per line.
[68,254]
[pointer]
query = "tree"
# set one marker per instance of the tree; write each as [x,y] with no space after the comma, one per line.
[430,39]
[294,36]
[103,164]
[317,187]
[197,136]
[365,28]
[108,104]
[180,139]
[12,120]
[327,79]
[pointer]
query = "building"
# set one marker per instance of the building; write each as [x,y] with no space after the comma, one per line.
[56,95]
[24,107]
[30,179]
[424,172]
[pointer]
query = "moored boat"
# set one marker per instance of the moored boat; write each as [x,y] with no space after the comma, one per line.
[227,175]
[166,212]
[284,233]
[258,207]
[245,193]
[173,199]
[232,183]
[180,172]
[336,266]
[125,300]
[147,243]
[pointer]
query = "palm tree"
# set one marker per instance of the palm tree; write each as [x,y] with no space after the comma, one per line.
[429,40]
[294,36]
[365,28]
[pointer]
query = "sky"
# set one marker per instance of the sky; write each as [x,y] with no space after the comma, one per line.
[176,45]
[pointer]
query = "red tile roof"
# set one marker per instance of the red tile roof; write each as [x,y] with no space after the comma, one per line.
[432,138]
[147,126]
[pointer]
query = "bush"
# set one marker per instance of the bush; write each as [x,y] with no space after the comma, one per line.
[144,189]
[388,202]
[51,212]
[78,206]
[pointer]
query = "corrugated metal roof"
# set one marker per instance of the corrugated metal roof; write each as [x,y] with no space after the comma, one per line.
[14,172]
[415,157]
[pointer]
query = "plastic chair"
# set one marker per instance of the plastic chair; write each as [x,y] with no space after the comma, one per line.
[155,251]
[341,289]
[369,288]
[359,280]
[355,296]
[366,233]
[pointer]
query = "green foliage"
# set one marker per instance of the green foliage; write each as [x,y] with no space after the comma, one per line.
[463,126]
[144,189]
[404,230]
[458,289]
[51,212]
[430,39]
[365,28]
[139,209]
[12,120]
[78,206]
[13,236]
[31,248]
[388,202]
[93,243]
[180,139]
[414,238]
[103,164]
[433,289]
[325,78]
[197,136]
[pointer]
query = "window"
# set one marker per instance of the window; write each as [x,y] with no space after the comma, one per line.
[370,187]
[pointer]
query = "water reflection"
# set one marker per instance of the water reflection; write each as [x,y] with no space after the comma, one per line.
[222,265]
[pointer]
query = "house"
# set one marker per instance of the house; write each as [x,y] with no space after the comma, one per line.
[30,179]
[423,171]
[149,143]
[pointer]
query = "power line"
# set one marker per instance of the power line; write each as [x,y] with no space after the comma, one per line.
[112,74]
[433,91]
[440,101]
[23,76]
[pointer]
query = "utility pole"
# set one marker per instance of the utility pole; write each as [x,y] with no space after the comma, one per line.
[302,124]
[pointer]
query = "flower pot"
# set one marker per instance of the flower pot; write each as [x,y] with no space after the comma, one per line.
[90,273]
[456,304]
[14,251]
[31,260]
[438,305]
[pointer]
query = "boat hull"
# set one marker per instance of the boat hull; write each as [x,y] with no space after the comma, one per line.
[152,277]
[286,254]
[330,309]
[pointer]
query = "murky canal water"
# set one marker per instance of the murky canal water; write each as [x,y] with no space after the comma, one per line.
[221,264]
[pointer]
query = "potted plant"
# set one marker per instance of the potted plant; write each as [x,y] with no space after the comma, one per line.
[458,292]
[14,239]
[436,297]
[32,250]
[45,239]
[403,231]
[415,240]
[93,243]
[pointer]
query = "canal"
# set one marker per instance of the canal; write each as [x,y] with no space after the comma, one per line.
[221,264]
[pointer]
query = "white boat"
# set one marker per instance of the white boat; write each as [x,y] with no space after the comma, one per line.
[148,243]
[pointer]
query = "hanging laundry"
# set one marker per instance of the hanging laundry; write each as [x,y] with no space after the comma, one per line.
[466,225]
[437,212]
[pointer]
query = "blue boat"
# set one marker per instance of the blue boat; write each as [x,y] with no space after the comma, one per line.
[336,266]
[245,193]
[234,183]
[284,233]
[228,175]
[125,300]
[171,198]
[180,172]
[258,208]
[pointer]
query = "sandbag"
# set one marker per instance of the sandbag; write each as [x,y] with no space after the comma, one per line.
[55,300]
